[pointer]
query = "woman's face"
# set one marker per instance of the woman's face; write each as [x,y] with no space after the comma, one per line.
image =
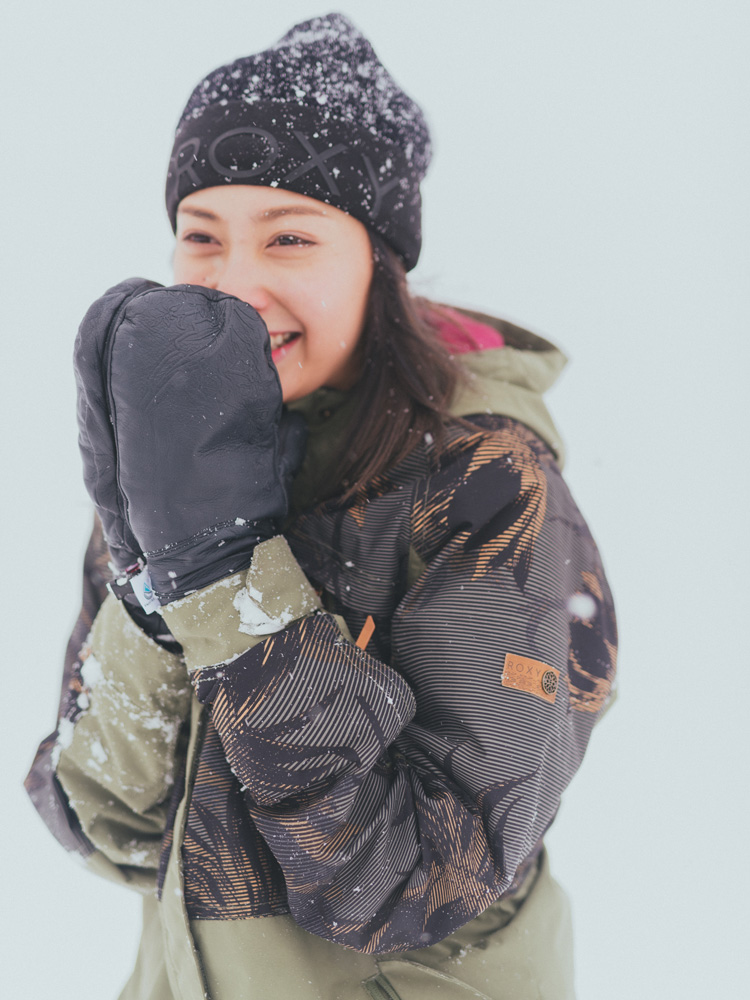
[304,266]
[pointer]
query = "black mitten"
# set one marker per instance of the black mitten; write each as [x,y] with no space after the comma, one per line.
[95,434]
[195,404]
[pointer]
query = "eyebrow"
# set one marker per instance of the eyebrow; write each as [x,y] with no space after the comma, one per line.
[268,216]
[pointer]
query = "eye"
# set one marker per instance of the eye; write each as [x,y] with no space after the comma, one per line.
[197,238]
[290,240]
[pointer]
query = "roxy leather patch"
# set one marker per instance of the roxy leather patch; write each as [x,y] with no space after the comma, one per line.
[532,676]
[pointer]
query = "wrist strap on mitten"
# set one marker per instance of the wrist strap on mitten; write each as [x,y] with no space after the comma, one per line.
[135,580]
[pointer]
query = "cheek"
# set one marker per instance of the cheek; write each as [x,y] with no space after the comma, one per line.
[193,269]
[341,302]
[184,269]
[327,305]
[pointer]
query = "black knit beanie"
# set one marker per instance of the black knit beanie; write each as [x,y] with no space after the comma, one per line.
[317,114]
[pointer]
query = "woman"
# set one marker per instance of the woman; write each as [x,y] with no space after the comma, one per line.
[356,643]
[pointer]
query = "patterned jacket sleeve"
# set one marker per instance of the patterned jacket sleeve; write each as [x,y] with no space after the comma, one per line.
[401,799]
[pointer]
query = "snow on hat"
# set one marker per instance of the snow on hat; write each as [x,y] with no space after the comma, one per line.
[317,114]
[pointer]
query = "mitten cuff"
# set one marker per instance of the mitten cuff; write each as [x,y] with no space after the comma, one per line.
[220,622]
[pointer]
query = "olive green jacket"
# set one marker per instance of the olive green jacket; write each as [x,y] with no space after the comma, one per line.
[338,783]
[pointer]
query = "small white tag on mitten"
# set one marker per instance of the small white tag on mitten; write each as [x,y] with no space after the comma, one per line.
[141,584]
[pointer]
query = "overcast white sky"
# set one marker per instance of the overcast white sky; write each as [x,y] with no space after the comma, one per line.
[590,181]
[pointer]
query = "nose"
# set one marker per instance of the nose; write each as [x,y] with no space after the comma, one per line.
[245,278]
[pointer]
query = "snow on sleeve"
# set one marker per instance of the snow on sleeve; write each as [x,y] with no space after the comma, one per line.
[220,622]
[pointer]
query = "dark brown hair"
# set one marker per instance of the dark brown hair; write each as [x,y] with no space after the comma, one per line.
[407,380]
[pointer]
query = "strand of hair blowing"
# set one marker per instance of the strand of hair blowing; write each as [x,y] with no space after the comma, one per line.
[407,380]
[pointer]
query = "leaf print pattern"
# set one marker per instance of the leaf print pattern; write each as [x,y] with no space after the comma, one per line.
[229,872]
[391,829]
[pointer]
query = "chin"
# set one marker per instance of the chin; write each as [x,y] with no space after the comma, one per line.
[290,393]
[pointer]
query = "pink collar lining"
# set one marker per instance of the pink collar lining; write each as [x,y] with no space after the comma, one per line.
[461,335]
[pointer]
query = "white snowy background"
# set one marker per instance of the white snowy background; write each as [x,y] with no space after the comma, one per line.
[590,181]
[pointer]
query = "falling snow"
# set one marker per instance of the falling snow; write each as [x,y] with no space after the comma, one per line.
[582,606]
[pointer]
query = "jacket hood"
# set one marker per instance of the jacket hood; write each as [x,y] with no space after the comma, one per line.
[508,381]
[511,380]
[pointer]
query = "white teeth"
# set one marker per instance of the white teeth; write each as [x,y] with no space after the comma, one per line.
[279,339]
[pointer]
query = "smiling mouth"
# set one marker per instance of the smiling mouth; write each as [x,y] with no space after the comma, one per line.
[279,339]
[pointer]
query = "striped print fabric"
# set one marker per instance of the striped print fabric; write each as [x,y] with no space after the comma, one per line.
[400,798]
